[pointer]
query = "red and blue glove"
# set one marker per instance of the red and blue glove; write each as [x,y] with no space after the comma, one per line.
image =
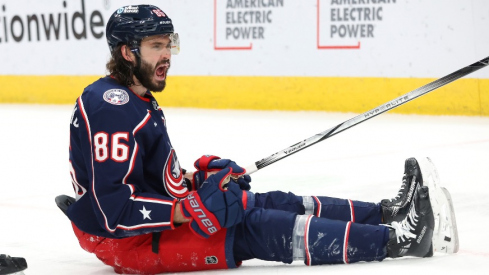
[216,204]
[209,164]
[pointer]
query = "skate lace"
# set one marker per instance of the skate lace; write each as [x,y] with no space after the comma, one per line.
[403,229]
[403,187]
[401,190]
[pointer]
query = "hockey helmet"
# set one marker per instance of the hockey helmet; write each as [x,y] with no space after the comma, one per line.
[130,24]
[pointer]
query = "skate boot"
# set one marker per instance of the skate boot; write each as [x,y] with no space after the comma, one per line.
[396,209]
[413,235]
[12,265]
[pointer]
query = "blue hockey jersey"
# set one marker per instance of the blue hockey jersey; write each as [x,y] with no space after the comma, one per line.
[124,170]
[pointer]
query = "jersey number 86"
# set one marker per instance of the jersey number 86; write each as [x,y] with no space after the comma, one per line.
[119,152]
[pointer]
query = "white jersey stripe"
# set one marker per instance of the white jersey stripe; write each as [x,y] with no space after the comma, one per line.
[146,225]
[151,200]
[352,211]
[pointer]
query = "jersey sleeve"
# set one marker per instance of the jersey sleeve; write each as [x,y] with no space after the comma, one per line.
[113,159]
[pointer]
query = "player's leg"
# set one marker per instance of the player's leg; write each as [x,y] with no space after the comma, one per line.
[275,235]
[321,206]
[264,234]
[343,209]
[281,236]
[410,237]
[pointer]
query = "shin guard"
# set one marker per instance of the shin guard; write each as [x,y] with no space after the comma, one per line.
[330,241]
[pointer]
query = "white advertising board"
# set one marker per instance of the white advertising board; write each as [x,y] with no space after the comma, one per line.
[326,38]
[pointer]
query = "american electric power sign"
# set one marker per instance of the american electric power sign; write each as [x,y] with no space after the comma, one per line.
[339,24]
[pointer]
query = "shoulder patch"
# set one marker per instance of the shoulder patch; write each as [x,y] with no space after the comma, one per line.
[116,96]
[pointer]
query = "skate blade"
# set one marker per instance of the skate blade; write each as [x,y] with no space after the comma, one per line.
[445,233]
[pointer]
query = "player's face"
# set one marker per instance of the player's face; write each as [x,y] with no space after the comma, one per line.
[155,62]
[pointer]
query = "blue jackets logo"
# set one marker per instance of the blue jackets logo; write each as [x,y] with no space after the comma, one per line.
[116,96]
[173,177]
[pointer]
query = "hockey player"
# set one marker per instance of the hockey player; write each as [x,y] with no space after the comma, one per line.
[138,211]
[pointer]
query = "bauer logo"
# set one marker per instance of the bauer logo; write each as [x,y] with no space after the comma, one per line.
[116,96]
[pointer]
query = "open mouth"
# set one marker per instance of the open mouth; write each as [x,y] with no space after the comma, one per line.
[161,70]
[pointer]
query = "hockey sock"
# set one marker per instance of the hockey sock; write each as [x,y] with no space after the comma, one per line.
[323,241]
[280,201]
[264,234]
[343,209]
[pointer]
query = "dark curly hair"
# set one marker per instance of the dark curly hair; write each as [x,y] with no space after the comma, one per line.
[120,68]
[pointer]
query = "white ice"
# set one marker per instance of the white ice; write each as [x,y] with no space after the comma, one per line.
[364,163]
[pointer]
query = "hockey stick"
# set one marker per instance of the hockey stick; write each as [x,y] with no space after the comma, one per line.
[367,115]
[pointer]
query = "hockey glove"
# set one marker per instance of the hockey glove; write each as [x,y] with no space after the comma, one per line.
[209,164]
[217,204]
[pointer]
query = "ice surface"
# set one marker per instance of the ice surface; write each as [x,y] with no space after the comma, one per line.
[365,163]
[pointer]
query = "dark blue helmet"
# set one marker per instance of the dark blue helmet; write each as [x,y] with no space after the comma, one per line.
[130,24]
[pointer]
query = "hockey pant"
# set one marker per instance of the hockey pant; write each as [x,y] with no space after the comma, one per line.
[180,250]
[278,228]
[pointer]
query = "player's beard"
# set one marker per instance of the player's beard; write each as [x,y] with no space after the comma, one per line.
[146,76]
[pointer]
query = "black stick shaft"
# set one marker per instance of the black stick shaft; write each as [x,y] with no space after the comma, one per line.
[367,115]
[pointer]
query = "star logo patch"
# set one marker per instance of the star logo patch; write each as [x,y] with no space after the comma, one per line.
[145,213]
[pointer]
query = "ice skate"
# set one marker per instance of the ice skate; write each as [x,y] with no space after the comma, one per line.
[445,234]
[396,209]
[12,265]
[413,235]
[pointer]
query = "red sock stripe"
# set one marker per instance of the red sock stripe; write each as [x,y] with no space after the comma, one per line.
[352,211]
[345,244]
[306,240]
